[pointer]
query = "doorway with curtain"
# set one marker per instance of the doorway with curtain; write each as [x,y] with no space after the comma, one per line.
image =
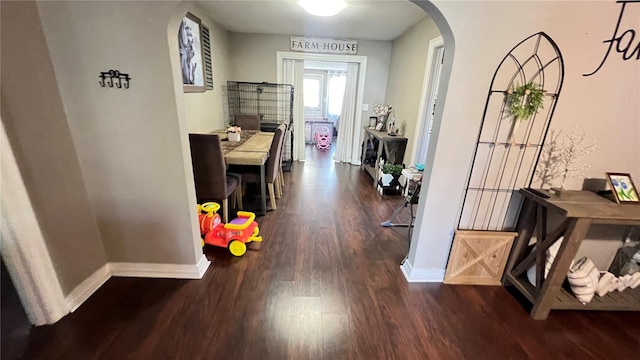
[342,112]
[323,90]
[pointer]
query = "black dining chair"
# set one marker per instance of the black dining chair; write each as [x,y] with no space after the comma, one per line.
[247,122]
[251,175]
[280,176]
[212,181]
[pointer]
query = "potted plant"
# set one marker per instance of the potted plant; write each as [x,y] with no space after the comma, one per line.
[390,175]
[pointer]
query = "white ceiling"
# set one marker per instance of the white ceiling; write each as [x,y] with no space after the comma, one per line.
[361,19]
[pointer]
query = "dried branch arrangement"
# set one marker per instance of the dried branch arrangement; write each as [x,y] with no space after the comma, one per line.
[562,157]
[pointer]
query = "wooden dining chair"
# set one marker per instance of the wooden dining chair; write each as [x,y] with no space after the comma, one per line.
[212,181]
[252,175]
[247,122]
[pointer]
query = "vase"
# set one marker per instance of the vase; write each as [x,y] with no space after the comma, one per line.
[391,129]
[557,191]
[233,136]
[382,119]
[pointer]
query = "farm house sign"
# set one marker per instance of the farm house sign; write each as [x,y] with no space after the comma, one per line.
[323,46]
[623,40]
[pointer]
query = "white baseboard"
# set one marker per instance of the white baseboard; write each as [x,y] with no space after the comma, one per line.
[91,284]
[421,275]
[203,265]
[170,271]
[86,288]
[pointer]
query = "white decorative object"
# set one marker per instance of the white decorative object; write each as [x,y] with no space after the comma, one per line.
[386,179]
[562,156]
[233,136]
[609,282]
[583,278]
[381,109]
[233,133]
[551,254]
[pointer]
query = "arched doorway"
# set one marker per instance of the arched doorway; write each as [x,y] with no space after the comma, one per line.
[445,73]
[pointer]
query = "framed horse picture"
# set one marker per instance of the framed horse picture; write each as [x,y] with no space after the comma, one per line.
[191,55]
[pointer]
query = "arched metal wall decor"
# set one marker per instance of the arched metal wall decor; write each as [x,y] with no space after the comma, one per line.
[507,152]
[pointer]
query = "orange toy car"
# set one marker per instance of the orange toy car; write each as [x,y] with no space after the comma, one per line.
[233,235]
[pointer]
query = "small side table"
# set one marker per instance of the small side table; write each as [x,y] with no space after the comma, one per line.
[392,147]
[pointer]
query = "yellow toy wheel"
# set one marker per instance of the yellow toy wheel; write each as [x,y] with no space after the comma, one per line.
[202,242]
[256,230]
[210,207]
[237,248]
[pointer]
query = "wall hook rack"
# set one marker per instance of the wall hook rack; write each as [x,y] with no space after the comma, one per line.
[108,78]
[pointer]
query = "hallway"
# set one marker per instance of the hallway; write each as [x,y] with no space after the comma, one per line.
[326,284]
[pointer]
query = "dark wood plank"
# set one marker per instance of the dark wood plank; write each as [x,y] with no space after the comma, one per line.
[540,250]
[585,204]
[325,284]
[627,300]
[557,274]
[549,240]
[525,227]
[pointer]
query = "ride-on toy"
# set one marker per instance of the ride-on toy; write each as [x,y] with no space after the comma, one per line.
[233,235]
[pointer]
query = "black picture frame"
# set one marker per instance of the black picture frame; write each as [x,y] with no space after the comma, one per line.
[191,54]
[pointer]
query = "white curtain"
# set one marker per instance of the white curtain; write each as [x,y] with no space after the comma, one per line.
[347,147]
[293,72]
[337,81]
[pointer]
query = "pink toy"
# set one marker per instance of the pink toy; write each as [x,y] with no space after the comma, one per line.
[322,136]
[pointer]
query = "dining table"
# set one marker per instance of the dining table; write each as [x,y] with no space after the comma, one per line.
[252,150]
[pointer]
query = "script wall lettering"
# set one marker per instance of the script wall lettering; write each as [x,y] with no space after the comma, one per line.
[625,41]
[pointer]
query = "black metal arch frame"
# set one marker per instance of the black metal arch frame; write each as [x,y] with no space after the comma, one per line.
[489,213]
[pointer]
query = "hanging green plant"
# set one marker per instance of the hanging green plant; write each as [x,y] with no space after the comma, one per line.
[523,110]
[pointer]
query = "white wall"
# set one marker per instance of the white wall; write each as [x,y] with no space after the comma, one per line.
[35,121]
[406,75]
[600,105]
[205,111]
[132,144]
[253,58]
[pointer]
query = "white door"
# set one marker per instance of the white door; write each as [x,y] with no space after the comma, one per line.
[434,63]
[313,93]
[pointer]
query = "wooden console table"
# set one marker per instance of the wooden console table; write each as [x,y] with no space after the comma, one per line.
[393,148]
[580,209]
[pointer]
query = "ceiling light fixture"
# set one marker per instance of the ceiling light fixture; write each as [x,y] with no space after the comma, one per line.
[322,7]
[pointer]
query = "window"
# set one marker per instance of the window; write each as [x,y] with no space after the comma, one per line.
[311,92]
[314,101]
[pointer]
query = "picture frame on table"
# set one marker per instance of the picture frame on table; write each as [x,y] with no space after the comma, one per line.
[191,54]
[623,188]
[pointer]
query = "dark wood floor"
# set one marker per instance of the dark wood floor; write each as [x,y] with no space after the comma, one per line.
[326,284]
